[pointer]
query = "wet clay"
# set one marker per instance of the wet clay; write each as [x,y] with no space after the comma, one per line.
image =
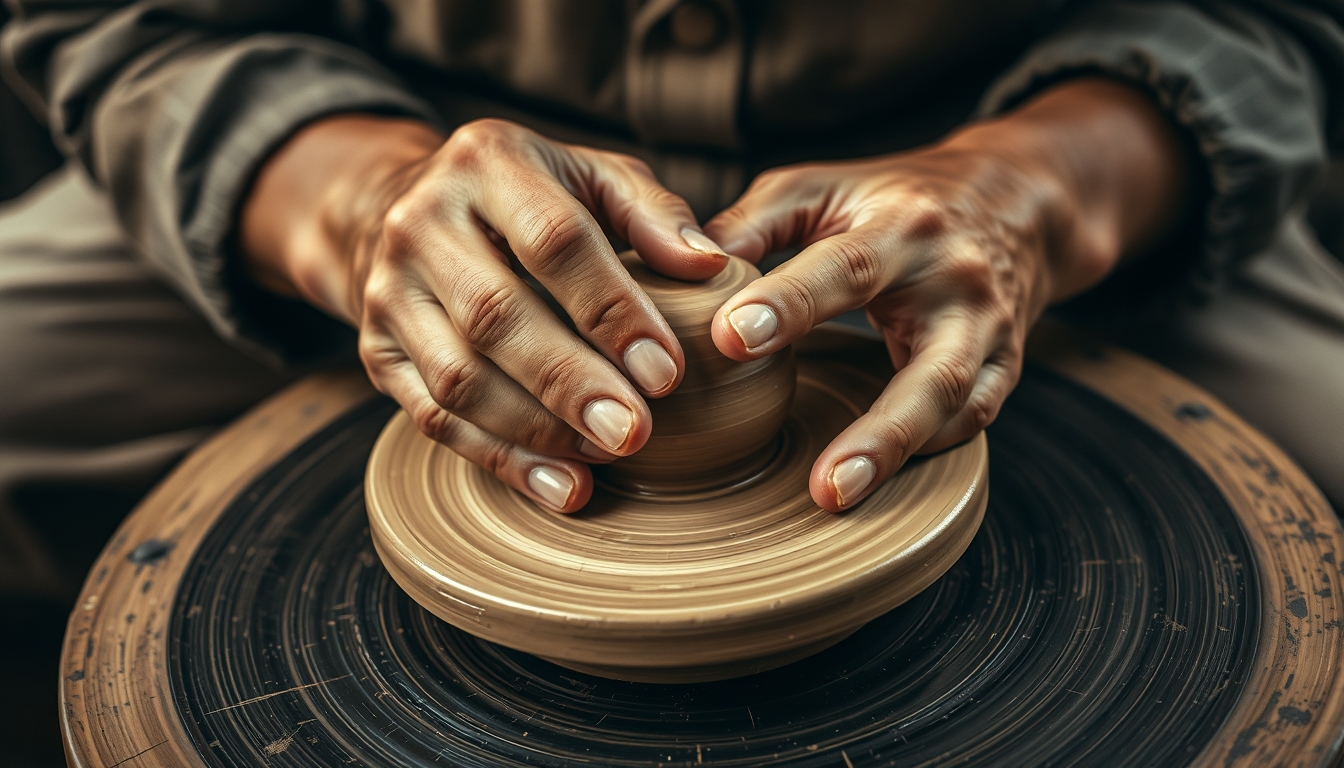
[701,557]
[723,421]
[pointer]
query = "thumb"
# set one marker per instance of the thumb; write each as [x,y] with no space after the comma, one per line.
[658,224]
[775,212]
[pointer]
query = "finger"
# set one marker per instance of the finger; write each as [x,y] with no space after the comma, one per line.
[922,397]
[560,243]
[658,224]
[495,312]
[554,483]
[833,276]
[993,384]
[470,386]
[775,212]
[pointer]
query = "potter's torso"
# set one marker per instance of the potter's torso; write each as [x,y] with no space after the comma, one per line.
[720,74]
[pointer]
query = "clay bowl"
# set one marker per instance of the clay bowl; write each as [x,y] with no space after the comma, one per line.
[722,575]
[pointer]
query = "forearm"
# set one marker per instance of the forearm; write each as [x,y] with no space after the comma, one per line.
[172,108]
[300,226]
[1117,167]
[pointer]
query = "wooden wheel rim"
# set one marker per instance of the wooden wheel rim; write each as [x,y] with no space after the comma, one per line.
[117,699]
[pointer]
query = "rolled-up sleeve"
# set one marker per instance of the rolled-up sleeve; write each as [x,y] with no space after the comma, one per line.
[172,106]
[1248,82]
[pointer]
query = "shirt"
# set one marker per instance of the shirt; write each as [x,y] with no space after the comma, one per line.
[172,105]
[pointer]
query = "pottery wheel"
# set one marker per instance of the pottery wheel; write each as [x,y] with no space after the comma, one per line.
[1151,586]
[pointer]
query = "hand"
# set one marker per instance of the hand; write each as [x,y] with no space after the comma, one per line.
[410,238]
[954,250]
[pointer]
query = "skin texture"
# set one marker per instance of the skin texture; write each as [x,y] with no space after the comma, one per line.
[954,249]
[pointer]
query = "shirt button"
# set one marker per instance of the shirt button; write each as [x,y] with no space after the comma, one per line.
[694,25]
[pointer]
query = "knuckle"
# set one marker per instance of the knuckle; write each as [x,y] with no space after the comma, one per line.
[807,183]
[378,303]
[494,457]
[371,355]
[899,438]
[931,218]
[434,422]
[1003,324]
[969,268]
[490,314]
[403,225]
[553,240]
[476,139]
[557,379]
[537,431]
[982,410]
[399,227]
[771,178]
[796,293]
[972,279]
[607,315]
[860,267]
[453,383]
[953,380]
[376,352]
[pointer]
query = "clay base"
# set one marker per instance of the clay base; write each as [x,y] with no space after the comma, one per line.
[696,585]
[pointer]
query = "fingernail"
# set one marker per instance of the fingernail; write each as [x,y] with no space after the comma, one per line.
[700,242]
[610,421]
[851,477]
[755,324]
[650,364]
[589,448]
[552,485]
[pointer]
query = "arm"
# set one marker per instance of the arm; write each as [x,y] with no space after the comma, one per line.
[955,249]
[1254,86]
[172,107]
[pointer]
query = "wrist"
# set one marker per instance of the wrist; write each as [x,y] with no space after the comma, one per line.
[319,198]
[1109,168]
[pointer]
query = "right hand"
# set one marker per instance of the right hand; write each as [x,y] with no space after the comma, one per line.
[409,238]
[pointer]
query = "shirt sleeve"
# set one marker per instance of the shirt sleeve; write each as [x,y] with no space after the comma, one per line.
[171,106]
[1250,83]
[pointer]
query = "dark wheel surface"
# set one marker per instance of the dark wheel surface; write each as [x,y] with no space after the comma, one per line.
[1102,616]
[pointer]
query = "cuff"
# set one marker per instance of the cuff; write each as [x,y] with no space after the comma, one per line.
[222,116]
[1246,94]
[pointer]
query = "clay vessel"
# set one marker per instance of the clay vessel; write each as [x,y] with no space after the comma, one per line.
[702,556]
[721,424]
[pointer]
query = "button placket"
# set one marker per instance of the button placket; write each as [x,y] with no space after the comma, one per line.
[684,73]
[694,25]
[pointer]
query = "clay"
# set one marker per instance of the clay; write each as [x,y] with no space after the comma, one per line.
[702,556]
[719,426]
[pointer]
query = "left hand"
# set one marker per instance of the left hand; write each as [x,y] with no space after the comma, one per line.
[954,250]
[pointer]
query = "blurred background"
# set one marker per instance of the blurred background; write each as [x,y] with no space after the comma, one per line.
[31,643]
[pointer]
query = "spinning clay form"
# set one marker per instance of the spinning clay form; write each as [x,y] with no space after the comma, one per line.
[701,556]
